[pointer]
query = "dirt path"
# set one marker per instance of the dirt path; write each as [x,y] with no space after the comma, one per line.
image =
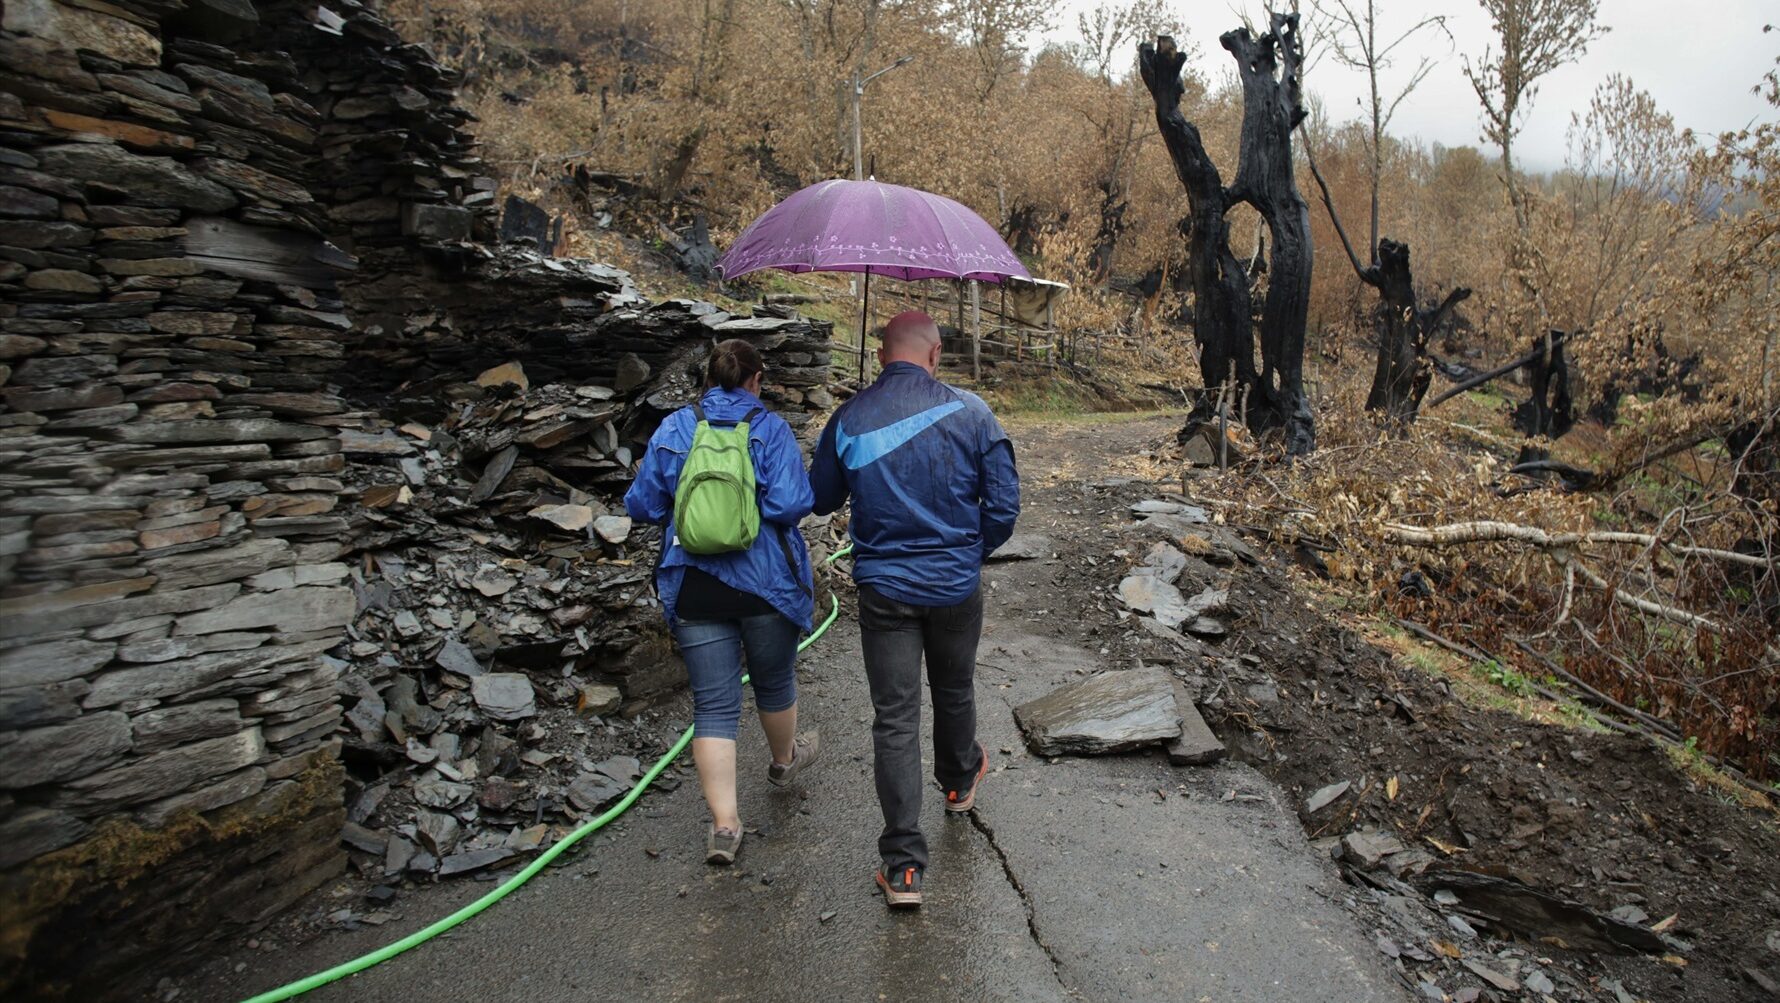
[1109,879]
[1118,878]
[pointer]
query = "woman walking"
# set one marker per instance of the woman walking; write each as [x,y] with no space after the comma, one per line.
[734,576]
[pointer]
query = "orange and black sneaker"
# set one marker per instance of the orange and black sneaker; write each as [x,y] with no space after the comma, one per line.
[901,887]
[960,801]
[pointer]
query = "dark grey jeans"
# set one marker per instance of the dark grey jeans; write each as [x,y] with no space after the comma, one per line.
[895,636]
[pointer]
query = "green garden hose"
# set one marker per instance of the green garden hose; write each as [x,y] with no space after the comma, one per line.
[543,860]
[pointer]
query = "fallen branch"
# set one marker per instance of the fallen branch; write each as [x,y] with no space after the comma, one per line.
[1557,338]
[1595,696]
[1562,547]
[1456,533]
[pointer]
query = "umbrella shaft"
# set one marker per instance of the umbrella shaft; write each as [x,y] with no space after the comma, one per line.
[864,306]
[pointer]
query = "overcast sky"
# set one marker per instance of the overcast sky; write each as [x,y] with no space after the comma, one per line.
[1698,60]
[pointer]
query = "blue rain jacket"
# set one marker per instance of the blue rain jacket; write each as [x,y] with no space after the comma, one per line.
[933,483]
[784,494]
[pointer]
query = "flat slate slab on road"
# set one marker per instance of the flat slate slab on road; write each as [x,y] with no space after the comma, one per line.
[1076,881]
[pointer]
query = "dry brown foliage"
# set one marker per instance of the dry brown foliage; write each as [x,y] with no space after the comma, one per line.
[1650,233]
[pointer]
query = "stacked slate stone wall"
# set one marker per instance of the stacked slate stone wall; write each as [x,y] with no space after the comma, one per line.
[182,183]
[229,232]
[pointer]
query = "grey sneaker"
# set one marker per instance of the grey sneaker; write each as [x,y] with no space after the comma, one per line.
[721,845]
[901,890]
[805,750]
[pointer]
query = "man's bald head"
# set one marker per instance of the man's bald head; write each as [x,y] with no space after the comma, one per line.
[911,336]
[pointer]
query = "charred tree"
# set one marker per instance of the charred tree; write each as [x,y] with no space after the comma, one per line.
[1549,410]
[1647,366]
[1272,392]
[1401,377]
[1272,107]
[1216,279]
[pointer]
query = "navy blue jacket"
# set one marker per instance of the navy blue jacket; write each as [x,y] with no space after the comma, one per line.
[784,494]
[933,484]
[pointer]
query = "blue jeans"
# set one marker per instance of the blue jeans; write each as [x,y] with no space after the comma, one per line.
[713,651]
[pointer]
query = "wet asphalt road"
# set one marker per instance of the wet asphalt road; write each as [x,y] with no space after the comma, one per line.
[1115,879]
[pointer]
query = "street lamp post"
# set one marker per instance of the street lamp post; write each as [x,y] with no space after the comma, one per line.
[859,175]
[858,94]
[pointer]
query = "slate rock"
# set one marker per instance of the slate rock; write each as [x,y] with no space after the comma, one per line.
[397,855]
[362,838]
[599,698]
[508,373]
[1164,562]
[1024,547]
[158,181]
[61,752]
[438,832]
[42,664]
[623,769]
[1538,982]
[1368,849]
[456,657]
[1326,796]
[632,373]
[474,860]
[569,518]
[441,793]
[1149,594]
[1204,626]
[1110,712]
[499,794]
[613,528]
[593,791]
[32,832]
[1158,506]
[504,696]
[493,582]
[1196,745]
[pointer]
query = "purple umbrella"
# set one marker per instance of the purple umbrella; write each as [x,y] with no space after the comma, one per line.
[878,229]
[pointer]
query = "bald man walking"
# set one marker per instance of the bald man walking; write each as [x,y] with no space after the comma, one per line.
[934,491]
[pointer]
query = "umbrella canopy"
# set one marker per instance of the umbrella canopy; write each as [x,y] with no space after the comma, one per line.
[879,229]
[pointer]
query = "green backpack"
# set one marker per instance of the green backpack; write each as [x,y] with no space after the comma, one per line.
[715,511]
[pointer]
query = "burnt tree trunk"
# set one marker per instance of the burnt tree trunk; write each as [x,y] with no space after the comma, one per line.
[1217,280]
[1404,371]
[1548,411]
[1272,393]
[1272,106]
[1401,377]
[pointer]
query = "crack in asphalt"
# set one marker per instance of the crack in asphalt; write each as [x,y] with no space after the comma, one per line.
[1013,880]
[1007,868]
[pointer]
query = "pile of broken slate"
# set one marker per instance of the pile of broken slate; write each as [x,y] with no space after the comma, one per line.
[507,647]
[1122,710]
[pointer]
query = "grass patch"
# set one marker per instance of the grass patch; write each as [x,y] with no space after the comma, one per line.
[1044,397]
[1487,684]
[1489,397]
[1688,758]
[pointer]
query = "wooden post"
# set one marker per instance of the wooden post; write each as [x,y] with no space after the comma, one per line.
[976,333]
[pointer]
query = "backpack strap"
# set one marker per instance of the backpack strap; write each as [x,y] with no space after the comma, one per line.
[747,419]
